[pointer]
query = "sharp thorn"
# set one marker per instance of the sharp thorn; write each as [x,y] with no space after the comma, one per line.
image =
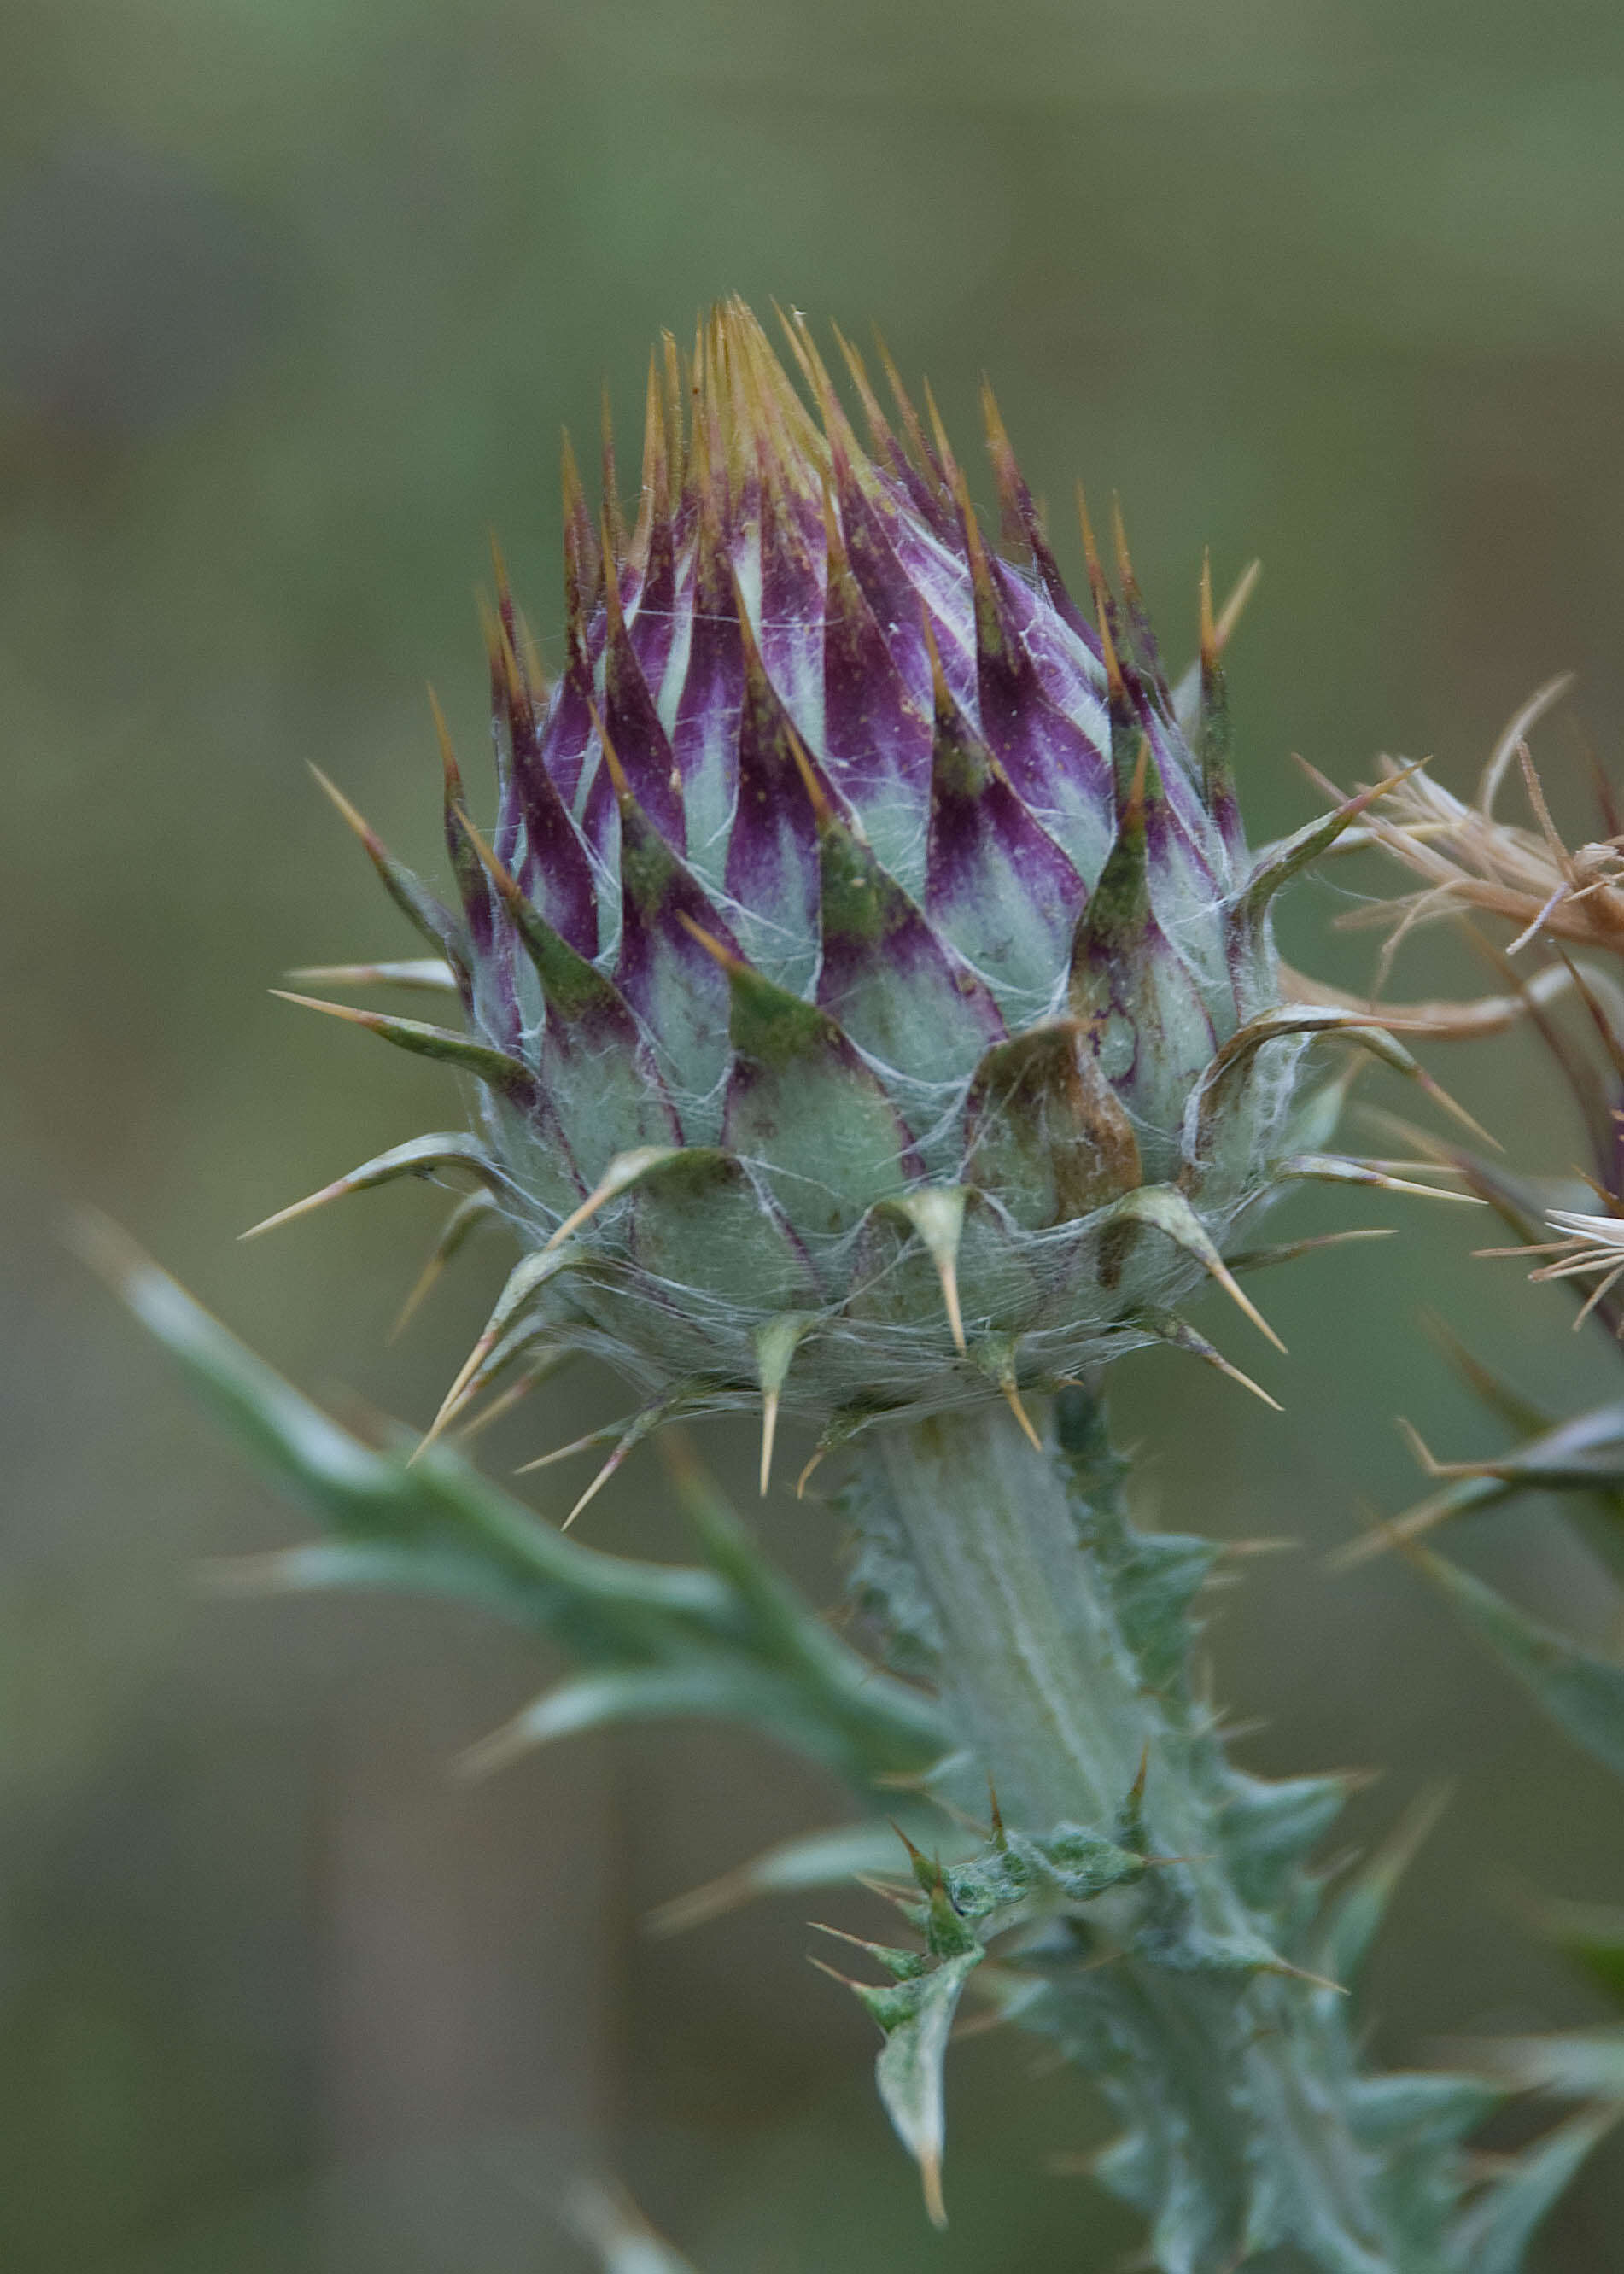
[931,2177]
[847,1981]
[457,1396]
[568,1452]
[1232,1288]
[593,1489]
[312,1201]
[1209,635]
[1012,1396]
[769,1428]
[1440,1097]
[624,1169]
[1235,607]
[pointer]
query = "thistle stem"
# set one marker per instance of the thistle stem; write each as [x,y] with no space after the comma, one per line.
[1031,1660]
[1060,1637]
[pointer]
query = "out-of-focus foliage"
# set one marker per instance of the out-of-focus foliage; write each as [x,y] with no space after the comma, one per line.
[292,302]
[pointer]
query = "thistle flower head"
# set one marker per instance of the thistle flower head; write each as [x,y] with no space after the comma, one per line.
[870,993]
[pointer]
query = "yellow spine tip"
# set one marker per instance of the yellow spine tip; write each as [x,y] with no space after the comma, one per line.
[930,2178]
[1114,684]
[769,1428]
[948,1275]
[1013,1395]
[611,575]
[709,941]
[611,759]
[1119,539]
[1209,633]
[593,1489]
[814,788]
[449,767]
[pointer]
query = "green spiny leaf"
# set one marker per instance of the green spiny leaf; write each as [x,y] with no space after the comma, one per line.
[1396,2109]
[910,2061]
[1491,2237]
[1582,1692]
[1576,2064]
[821,1859]
[1353,1922]
[637,1693]
[1269,1827]
[733,1639]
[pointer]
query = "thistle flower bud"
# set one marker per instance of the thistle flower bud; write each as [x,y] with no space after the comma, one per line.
[870,996]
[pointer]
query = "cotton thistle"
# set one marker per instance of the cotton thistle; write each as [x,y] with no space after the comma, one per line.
[874,1016]
[871,997]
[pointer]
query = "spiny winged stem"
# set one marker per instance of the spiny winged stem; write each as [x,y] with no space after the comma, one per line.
[1060,1635]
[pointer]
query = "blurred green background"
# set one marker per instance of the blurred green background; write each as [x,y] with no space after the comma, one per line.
[293,301]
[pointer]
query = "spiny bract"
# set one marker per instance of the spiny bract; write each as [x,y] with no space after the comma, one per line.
[871,994]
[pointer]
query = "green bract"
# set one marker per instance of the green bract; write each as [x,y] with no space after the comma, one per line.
[871,995]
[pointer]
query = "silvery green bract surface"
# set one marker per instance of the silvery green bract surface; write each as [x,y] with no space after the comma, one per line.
[871,994]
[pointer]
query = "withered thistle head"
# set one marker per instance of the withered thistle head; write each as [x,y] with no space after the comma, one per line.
[1472,860]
